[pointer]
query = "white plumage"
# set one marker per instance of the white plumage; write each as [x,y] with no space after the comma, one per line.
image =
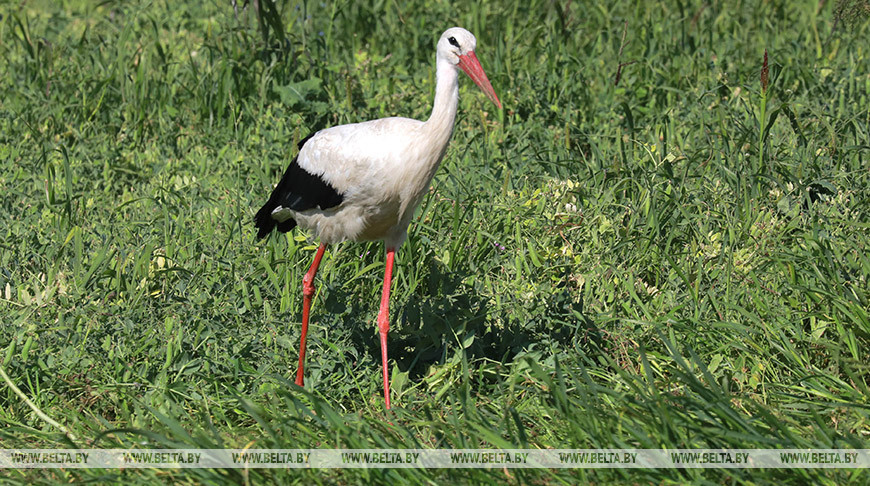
[363,181]
[380,167]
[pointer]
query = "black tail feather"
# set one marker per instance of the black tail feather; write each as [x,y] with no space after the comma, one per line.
[285,226]
[265,224]
[298,190]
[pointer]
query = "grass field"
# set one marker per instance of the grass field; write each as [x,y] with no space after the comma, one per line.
[678,259]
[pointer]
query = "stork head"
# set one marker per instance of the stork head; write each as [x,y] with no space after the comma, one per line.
[456,46]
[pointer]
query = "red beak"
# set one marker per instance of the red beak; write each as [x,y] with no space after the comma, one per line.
[474,70]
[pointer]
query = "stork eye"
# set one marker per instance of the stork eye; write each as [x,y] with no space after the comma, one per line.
[452,41]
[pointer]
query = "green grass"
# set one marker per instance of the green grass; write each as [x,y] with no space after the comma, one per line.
[597,265]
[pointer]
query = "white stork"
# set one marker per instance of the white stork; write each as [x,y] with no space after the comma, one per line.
[363,181]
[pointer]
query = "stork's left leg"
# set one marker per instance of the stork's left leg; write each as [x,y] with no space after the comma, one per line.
[384,320]
[307,295]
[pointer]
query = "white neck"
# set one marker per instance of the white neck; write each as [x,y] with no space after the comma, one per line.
[435,134]
[440,123]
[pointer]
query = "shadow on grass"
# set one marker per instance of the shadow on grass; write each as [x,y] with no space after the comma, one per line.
[428,327]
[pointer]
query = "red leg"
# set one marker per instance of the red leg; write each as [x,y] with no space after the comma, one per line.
[307,295]
[384,321]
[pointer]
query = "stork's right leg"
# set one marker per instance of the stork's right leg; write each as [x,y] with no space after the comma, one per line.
[384,321]
[307,295]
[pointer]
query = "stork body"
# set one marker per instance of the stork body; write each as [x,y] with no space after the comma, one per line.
[363,181]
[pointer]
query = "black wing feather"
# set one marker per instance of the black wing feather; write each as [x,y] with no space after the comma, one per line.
[298,190]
